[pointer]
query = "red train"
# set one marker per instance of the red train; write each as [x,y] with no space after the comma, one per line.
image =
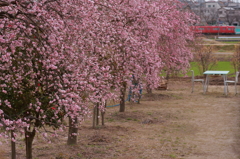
[216,29]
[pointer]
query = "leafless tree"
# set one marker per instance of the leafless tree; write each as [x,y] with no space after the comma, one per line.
[230,16]
[203,56]
[211,16]
[236,58]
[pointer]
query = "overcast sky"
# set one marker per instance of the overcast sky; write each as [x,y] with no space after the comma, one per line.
[217,0]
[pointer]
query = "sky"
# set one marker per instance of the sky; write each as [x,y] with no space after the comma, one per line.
[217,0]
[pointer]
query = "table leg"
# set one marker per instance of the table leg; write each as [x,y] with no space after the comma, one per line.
[206,84]
[225,86]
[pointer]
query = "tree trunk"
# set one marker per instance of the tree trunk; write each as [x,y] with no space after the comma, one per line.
[29,136]
[13,145]
[72,131]
[103,113]
[122,97]
[167,75]
[139,98]
[149,90]
[95,116]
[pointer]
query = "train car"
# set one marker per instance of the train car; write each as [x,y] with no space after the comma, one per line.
[214,29]
[237,30]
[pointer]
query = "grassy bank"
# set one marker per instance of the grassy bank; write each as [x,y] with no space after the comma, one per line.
[221,66]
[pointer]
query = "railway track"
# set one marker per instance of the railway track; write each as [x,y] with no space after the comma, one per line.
[215,35]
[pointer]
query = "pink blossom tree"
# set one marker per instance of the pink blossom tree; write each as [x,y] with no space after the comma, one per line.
[43,75]
[142,38]
[56,57]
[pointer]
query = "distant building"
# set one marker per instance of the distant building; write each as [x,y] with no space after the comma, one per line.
[215,12]
[229,15]
[224,15]
[201,1]
[224,0]
[212,5]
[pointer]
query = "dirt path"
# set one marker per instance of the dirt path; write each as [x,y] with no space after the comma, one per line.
[217,119]
[172,124]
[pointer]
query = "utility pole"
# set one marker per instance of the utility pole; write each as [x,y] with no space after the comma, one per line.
[218,26]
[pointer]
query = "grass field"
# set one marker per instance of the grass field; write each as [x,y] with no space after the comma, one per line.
[231,42]
[221,66]
[224,63]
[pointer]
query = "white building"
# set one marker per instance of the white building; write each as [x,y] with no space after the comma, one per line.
[211,7]
[210,12]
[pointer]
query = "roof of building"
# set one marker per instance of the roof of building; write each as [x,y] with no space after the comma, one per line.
[211,2]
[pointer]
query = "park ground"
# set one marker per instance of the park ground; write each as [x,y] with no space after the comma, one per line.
[168,124]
